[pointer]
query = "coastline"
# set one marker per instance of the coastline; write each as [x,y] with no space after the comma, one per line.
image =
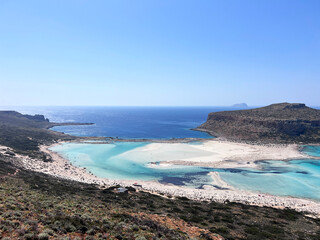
[216,153]
[63,168]
[54,124]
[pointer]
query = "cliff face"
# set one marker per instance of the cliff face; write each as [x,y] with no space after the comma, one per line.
[281,123]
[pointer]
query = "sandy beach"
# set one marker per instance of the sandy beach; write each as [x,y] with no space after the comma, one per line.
[215,153]
[241,154]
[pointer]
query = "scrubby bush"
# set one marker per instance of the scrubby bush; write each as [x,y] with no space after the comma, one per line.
[28,236]
[43,236]
[49,231]
[139,237]
[89,238]
[70,228]
[135,228]
[21,232]
[91,231]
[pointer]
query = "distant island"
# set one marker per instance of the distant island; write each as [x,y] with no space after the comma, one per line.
[240,105]
[276,123]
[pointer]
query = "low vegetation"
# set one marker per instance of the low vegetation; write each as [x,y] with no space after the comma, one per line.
[24,133]
[28,213]
[38,206]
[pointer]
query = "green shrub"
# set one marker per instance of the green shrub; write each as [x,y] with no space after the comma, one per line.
[70,228]
[28,236]
[273,229]
[91,231]
[43,236]
[139,237]
[135,228]
[252,230]
[220,230]
[48,231]
[289,215]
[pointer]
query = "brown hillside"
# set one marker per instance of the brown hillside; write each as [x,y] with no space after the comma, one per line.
[281,123]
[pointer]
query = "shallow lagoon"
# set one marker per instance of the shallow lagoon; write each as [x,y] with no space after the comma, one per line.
[298,178]
[113,161]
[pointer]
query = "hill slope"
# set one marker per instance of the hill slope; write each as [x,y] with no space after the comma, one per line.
[281,123]
[39,206]
[24,133]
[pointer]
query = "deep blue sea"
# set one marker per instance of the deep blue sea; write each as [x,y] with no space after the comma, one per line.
[129,122]
[298,178]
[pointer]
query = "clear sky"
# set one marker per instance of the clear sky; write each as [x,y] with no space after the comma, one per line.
[159,52]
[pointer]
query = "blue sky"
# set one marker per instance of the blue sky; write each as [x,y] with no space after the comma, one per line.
[166,52]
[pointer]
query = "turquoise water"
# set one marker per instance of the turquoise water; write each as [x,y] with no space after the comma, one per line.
[109,161]
[311,150]
[298,178]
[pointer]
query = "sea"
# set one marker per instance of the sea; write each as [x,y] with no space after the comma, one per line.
[297,178]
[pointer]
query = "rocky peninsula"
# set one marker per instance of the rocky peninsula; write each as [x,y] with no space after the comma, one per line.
[276,123]
[24,133]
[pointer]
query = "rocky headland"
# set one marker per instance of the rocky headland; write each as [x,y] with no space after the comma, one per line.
[25,133]
[276,123]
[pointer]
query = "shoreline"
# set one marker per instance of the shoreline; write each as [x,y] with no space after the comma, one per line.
[63,168]
[217,153]
[107,140]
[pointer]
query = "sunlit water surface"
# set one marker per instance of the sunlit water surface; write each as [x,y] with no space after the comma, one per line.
[298,178]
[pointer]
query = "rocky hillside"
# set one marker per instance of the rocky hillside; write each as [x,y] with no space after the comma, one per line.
[17,119]
[276,123]
[24,133]
[37,206]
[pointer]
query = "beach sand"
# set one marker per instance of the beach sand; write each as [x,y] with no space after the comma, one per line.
[215,154]
[221,150]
